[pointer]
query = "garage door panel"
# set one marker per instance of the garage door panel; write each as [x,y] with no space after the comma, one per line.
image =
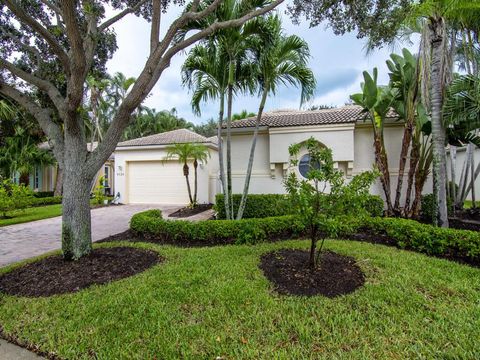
[155,182]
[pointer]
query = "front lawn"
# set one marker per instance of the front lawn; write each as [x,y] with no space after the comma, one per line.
[32,214]
[207,303]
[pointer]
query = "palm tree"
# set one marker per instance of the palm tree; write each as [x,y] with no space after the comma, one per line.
[242,115]
[282,60]
[185,153]
[376,102]
[204,72]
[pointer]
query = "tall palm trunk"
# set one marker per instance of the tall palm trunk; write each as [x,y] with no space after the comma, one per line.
[382,163]
[229,150]
[436,27]
[220,157]
[195,186]
[414,158]
[186,173]
[243,201]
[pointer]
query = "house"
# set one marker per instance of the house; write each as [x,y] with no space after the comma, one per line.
[343,130]
[44,177]
[143,176]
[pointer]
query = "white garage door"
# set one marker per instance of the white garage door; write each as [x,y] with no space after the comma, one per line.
[156,182]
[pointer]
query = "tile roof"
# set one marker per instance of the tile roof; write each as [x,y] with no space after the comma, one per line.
[180,136]
[284,118]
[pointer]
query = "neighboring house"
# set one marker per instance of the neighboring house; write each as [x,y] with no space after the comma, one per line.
[45,177]
[343,130]
[142,176]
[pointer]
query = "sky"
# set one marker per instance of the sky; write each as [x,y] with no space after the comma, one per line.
[337,62]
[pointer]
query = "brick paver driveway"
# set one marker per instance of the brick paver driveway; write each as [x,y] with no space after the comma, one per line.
[23,241]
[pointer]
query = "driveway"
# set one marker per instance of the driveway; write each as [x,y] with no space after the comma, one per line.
[23,241]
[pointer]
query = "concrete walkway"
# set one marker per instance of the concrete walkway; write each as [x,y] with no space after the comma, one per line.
[13,352]
[23,241]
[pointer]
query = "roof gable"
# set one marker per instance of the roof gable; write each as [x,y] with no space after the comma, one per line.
[179,136]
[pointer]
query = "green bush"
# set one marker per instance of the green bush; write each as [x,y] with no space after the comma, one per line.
[405,234]
[258,205]
[14,197]
[269,205]
[427,208]
[43,201]
[43,194]
[151,224]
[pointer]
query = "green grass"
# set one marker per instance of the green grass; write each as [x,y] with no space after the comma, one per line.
[203,303]
[36,213]
[468,204]
[32,214]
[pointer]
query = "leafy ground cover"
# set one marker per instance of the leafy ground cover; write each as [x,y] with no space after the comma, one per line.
[216,302]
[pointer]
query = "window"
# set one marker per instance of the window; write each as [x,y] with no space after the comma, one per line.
[36,181]
[106,175]
[305,165]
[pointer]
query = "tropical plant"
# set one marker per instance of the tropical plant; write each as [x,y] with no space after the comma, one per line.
[242,115]
[308,198]
[13,197]
[376,102]
[185,153]
[282,60]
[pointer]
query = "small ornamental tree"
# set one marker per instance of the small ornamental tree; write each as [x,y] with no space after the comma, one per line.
[308,196]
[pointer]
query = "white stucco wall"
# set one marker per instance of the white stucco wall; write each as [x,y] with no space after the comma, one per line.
[352,149]
[124,156]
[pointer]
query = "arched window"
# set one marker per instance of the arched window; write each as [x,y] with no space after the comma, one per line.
[305,165]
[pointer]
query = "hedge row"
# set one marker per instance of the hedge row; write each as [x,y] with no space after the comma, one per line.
[43,201]
[214,232]
[268,205]
[406,234]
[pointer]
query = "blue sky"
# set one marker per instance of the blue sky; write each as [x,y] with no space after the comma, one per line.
[337,61]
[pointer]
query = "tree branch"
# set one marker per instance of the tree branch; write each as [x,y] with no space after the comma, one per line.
[43,116]
[120,15]
[23,17]
[42,84]
[52,7]
[23,44]
[155,29]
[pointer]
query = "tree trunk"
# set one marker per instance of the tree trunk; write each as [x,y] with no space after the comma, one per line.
[186,173]
[382,163]
[58,182]
[472,173]
[453,164]
[195,185]
[76,221]
[313,246]
[24,179]
[414,157]
[438,130]
[220,157]
[407,138]
[243,201]
[229,150]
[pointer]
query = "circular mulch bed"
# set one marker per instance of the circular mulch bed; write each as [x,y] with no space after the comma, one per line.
[289,271]
[53,275]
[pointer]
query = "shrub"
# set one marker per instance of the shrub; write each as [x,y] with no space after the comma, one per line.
[43,201]
[14,197]
[427,208]
[43,194]
[258,205]
[268,205]
[247,231]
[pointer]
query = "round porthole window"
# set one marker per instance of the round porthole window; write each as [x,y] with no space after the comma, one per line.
[305,165]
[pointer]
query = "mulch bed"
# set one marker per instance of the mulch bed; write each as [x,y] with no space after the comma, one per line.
[53,275]
[187,211]
[290,273]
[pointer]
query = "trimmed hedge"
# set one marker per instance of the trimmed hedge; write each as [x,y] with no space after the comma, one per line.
[209,232]
[43,194]
[269,205]
[406,234]
[43,201]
